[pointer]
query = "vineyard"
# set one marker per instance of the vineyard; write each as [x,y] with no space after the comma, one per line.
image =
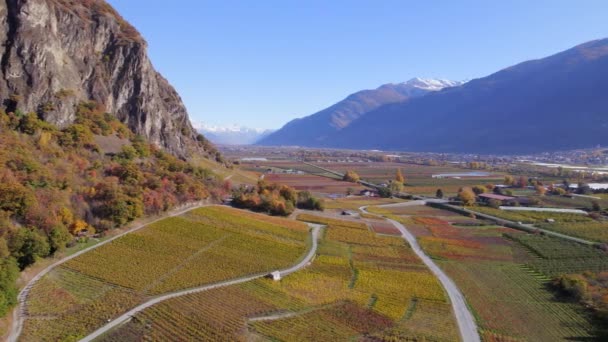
[593,231]
[513,302]
[504,273]
[553,257]
[534,216]
[360,284]
[204,246]
[354,203]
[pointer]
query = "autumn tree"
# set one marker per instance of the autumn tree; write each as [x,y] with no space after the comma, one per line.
[351,176]
[509,180]
[479,189]
[467,196]
[396,187]
[399,177]
[522,182]
[541,190]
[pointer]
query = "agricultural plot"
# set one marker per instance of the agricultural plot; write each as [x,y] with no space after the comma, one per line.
[314,184]
[206,245]
[382,227]
[512,302]
[419,178]
[504,274]
[553,257]
[355,287]
[533,216]
[356,202]
[594,231]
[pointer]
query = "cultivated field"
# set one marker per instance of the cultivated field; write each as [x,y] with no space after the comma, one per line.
[314,184]
[360,284]
[204,246]
[504,273]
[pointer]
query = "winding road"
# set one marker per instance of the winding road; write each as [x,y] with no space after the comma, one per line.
[464,318]
[19,312]
[125,317]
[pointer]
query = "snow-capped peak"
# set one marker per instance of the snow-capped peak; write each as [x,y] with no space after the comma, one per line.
[432,84]
[234,128]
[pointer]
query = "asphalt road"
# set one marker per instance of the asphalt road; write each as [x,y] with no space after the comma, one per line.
[464,318]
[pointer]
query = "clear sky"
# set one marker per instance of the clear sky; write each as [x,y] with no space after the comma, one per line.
[261,63]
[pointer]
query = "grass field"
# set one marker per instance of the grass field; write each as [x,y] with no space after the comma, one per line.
[204,246]
[360,284]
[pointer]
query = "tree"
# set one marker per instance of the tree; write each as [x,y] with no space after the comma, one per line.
[522,182]
[478,189]
[467,196]
[9,272]
[559,191]
[584,189]
[493,203]
[399,177]
[384,192]
[396,187]
[541,190]
[509,180]
[351,176]
[59,237]
[439,193]
[27,245]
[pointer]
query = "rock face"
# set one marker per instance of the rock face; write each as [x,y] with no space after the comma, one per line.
[57,53]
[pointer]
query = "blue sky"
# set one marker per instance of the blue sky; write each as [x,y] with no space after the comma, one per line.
[263,63]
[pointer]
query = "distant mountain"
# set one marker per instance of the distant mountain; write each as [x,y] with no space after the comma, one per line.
[233,135]
[555,103]
[319,128]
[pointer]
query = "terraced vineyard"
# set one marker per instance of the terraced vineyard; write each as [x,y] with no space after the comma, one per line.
[360,284]
[204,246]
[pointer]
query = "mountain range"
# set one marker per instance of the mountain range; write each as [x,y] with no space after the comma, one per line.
[554,103]
[231,135]
[319,129]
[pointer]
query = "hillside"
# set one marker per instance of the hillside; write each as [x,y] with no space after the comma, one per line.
[318,129]
[58,53]
[91,136]
[554,103]
[91,176]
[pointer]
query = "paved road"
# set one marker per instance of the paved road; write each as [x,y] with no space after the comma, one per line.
[464,318]
[19,312]
[125,317]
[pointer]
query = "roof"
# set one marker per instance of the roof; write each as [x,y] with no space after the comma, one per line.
[497,197]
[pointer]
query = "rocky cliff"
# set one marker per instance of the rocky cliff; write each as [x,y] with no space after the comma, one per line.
[57,53]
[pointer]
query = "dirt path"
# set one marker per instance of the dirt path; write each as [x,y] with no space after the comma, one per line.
[125,317]
[19,312]
[464,318]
